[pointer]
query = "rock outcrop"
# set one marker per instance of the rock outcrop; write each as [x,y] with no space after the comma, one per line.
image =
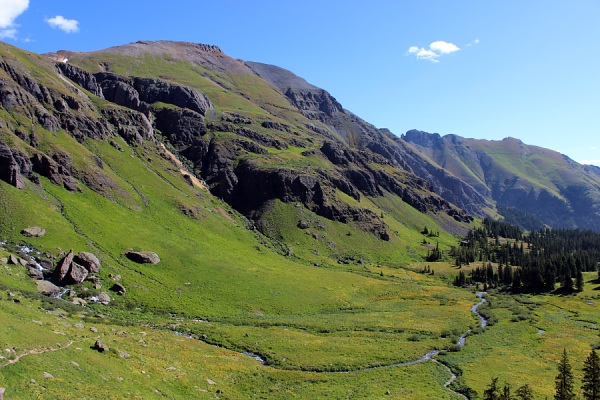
[33,231]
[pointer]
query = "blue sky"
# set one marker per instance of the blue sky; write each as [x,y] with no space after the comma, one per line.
[483,69]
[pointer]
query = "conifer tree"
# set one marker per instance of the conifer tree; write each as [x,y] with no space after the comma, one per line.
[524,393]
[564,379]
[579,280]
[491,393]
[591,377]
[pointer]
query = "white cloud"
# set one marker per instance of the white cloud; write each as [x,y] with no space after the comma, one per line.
[8,33]
[65,25]
[9,11]
[442,47]
[436,49]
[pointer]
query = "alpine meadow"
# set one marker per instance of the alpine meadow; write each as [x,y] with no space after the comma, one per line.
[178,223]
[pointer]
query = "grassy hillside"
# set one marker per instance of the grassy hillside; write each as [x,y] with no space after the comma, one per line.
[290,304]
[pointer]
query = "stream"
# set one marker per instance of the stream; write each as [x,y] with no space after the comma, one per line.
[426,357]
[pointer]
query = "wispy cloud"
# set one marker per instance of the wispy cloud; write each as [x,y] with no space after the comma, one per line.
[434,52]
[474,42]
[9,11]
[65,25]
[590,162]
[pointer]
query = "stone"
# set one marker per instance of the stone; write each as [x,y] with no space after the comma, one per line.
[35,273]
[119,289]
[89,261]
[33,231]
[100,347]
[303,224]
[77,273]
[143,257]
[79,302]
[47,288]
[124,355]
[48,375]
[62,269]
[104,298]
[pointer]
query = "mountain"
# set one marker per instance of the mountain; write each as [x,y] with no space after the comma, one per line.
[218,227]
[543,183]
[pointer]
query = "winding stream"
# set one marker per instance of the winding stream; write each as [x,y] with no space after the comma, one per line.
[426,357]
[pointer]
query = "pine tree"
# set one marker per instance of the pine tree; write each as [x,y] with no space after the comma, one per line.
[524,393]
[564,380]
[579,280]
[505,395]
[591,377]
[491,393]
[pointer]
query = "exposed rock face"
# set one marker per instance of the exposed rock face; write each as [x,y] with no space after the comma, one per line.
[89,261]
[58,174]
[80,77]
[143,257]
[15,166]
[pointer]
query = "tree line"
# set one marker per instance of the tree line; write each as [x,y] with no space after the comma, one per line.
[533,262]
[563,383]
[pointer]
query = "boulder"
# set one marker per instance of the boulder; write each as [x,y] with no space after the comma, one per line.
[143,257]
[89,261]
[47,288]
[77,273]
[119,289]
[101,347]
[35,273]
[303,224]
[79,302]
[104,298]
[33,231]
[62,269]
[13,260]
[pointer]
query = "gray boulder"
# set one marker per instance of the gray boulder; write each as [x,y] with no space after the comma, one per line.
[35,273]
[33,231]
[62,269]
[77,273]
[47,288]
[143,257]
[89,261]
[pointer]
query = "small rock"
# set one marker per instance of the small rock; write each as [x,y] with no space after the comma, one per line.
[33,231]
[48,375]
[79,325]
[101,347]
[94,329]
[74,363]
[143,257]
[211,382]
[36,322]
[104,298]
[120,289]
[79,302]
[124,355]
[303,224]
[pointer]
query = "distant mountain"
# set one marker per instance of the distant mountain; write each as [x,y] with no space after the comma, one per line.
[541,182]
